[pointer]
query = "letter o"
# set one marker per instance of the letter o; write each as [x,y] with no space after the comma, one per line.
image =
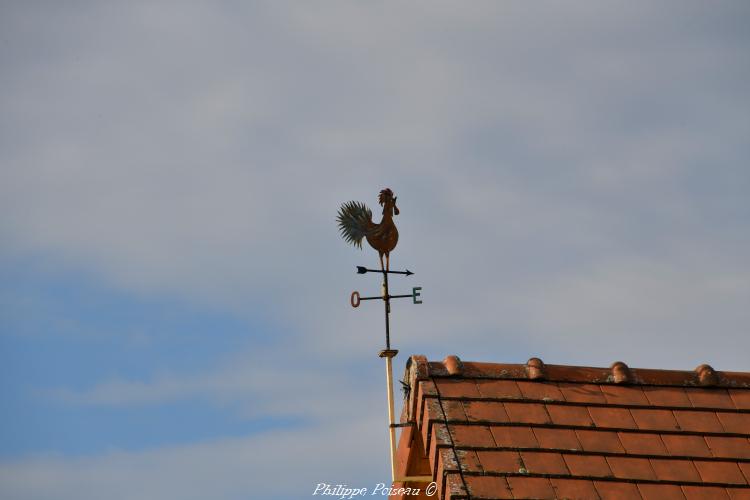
[354,299]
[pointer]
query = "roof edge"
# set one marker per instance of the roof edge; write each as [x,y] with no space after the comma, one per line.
[418,367]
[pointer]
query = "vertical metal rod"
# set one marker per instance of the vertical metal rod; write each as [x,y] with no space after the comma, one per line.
[386,298]
[391,428]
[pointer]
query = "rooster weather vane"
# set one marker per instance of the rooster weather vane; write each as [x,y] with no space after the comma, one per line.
[355,223]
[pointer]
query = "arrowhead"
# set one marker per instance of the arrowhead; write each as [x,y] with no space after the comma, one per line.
[409,273]
[361,270]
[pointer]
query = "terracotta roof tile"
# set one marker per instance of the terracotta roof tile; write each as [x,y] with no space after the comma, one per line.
[667,396]
[527,413]
[660,492]
[642,444]
[720,472]
[579,489]
[431,409]
[471,435]
[631,468]
[541,391]
[557,439]
[536,369]
[698,421]
[729,447]
[675,470]
[582,393]
[469,461]
[453,410]
[706,376]
[660,420]
[600,441]
[616,418]
[439,437]
[745,468]
[710,398]
[741,398]
[627,395]
[621,373]
[734,422]
[610,490]
[454,486]
[457,388]
[739,494]
[427,388]
[587,465]
[544,463]
[531,487]
[514,437]
[570,415]
[488,487]
[704,493]
[534,430]
[454,365]
[447,462]
[686,446]
[485,411]
[500,461]
[498,389]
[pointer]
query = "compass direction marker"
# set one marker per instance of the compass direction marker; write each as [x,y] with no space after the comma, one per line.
[415,292]
[363,270]
[386,297]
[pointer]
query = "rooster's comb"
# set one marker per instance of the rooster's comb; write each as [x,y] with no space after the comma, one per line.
[385,194]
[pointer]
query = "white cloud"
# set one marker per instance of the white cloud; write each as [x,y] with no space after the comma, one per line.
[275,465]
[257,383]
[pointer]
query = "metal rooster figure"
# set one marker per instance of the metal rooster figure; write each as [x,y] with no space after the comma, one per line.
[355,223]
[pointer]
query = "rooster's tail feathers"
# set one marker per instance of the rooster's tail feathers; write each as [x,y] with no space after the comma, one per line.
[354,219]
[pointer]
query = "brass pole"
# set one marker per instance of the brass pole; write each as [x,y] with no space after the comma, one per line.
[388,354]
[391,421]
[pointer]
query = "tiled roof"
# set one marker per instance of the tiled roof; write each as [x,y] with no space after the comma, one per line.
[491,431]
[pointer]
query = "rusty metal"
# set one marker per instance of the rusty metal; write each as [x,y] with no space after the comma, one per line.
[355,223]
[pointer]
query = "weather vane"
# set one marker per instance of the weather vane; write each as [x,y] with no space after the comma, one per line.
[355,223]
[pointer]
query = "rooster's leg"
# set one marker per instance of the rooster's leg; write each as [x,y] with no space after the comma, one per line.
[381,262]
[387,262]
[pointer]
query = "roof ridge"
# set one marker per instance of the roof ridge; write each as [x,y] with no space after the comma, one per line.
[618,373]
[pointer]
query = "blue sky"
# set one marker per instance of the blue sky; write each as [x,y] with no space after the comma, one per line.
[63,331]
[174,318]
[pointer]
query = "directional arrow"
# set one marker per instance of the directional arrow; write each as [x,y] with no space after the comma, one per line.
[363,270]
